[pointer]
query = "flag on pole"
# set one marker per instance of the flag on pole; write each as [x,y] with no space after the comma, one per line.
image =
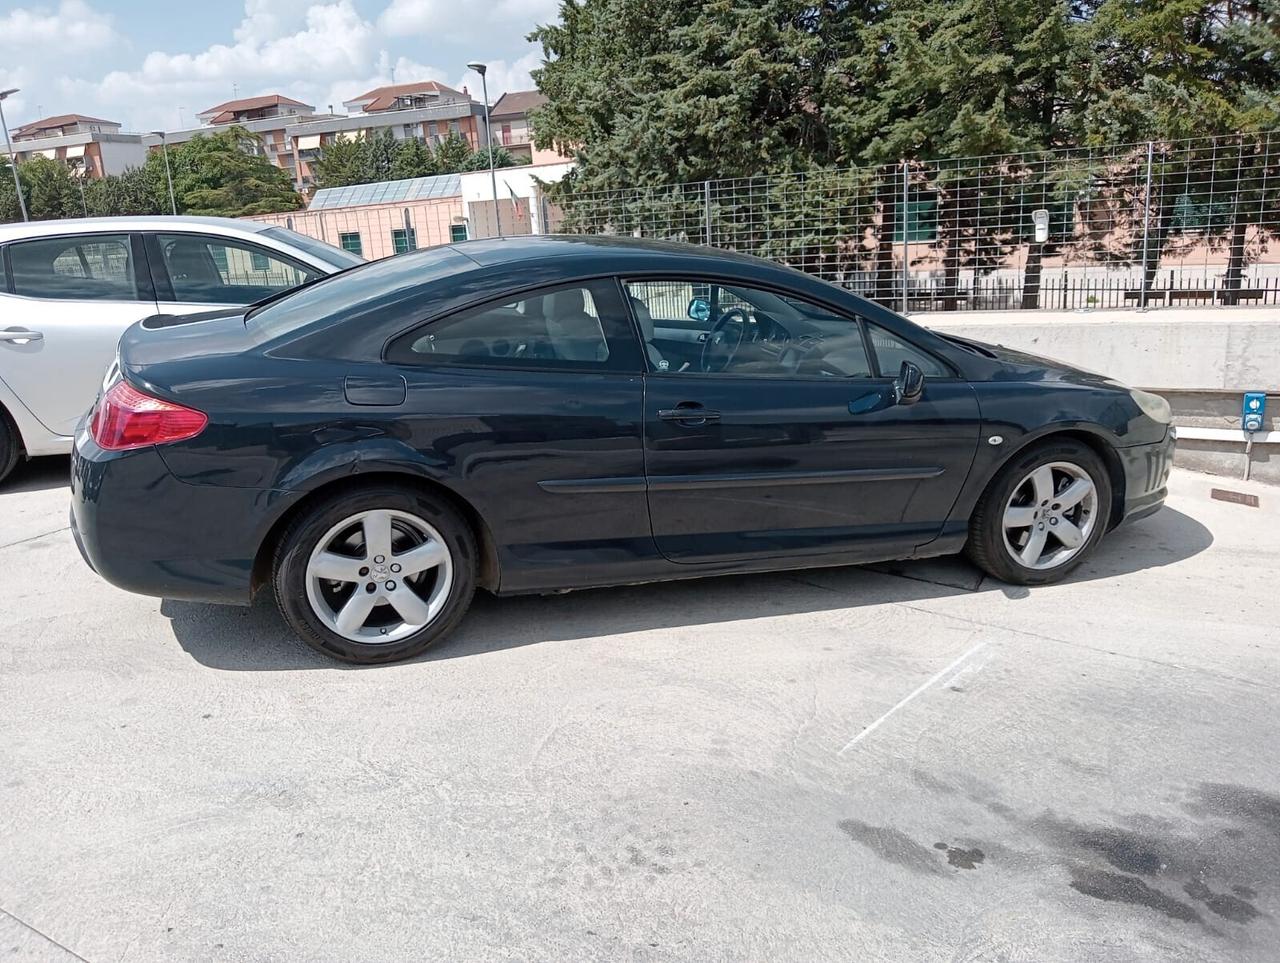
[515,203]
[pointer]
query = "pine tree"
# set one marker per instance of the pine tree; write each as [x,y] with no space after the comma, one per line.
[413,160]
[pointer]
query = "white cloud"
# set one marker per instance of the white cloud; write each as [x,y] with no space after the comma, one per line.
[321,52]
[503,76]
[267,57]
[73,27]
[458,20]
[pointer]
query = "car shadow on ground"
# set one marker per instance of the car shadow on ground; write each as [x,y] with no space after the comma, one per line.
[38,475]
[257,639]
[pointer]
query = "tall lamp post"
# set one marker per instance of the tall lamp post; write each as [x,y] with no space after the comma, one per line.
[482,69]
[164,148]
[13,160]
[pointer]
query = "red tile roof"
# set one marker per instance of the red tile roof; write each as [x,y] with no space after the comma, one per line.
[518,103]
[224,113]
[384,98]
[58,121]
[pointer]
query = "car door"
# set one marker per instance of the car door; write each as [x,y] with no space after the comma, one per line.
[67,300]
[533,405]
[793,443]
[195,272]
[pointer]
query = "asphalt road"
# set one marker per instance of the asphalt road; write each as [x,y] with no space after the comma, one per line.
[843,764]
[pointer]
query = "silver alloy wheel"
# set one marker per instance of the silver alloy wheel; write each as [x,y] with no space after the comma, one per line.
[379,576]
[1050,515]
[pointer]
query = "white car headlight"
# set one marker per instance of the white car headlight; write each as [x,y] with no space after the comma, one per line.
[1153,406]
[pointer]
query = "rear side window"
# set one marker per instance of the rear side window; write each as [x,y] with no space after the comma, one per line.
[576,326]
[216,270]
[95,267]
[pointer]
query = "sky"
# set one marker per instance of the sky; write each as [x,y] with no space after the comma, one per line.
[155,64]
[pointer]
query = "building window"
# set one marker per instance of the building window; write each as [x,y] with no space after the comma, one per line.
[433,129]
[351,243]
[453,127]
[404,241]
[260,262]
[457,232]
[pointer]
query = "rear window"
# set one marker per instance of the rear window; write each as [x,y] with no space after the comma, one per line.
[340,293]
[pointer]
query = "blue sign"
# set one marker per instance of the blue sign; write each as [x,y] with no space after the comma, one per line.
[1254,410]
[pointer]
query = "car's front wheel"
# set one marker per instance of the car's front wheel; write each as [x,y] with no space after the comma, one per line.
[1042,515]
[377,575]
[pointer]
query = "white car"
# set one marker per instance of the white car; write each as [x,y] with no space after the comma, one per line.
[68,290]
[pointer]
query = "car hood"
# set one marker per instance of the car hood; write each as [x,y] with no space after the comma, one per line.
[1015,365]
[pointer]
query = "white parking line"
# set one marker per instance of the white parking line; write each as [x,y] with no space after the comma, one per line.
[876,725]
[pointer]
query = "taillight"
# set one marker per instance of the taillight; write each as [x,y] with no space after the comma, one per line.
[126,418]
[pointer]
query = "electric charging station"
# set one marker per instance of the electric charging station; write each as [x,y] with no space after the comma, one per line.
[1254,411]
[1253,416]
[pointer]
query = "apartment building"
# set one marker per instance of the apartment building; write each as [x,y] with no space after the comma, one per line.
[90,146]
[427,111]
[511,130]
[268,116]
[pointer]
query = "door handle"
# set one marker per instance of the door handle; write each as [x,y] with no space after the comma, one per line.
[689,415]
[21,335]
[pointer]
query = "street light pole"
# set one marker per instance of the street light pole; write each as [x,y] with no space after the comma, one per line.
[13,158]
[482,69]
[164,149]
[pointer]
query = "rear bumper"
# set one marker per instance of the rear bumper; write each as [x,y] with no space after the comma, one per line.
[1146,471]
[143,530]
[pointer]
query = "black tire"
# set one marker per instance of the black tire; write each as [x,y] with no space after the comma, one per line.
[296,545]
[10,445]
[986,546]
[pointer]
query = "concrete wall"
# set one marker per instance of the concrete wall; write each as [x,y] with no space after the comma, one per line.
[1201,359]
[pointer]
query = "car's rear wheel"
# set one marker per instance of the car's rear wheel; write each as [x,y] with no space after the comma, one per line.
[10,447]
[1042,515]
[377,575]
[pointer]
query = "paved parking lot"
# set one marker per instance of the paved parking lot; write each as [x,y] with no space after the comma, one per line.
[903,763]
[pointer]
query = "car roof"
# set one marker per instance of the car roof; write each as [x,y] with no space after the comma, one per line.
[89,225]
[494,251]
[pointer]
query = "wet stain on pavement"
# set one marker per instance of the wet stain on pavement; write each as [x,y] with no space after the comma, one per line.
[891,845]
[1118,888]
[1229,907]
[961,858]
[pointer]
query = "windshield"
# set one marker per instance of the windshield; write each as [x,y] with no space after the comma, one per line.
[333,256]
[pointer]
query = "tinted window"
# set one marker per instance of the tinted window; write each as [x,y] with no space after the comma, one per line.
[339,294]
[561,328]
[891,351]
[326,252]
[88,267]
[214,270]
[705,327]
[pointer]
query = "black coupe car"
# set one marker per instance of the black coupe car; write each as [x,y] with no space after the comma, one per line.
[548,413]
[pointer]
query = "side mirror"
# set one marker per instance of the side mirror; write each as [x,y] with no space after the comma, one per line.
[908,387]
[699,310]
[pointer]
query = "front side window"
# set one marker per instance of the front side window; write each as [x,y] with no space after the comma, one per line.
[891,351]
[708,327]
[215,270]
[575,327]
[78,268]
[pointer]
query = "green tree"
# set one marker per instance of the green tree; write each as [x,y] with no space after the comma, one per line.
[413,160]
[49,191]
[648,92]
[135,191]
[479,159]
[381,149]
[340,163]
[225,174]
[453,154]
